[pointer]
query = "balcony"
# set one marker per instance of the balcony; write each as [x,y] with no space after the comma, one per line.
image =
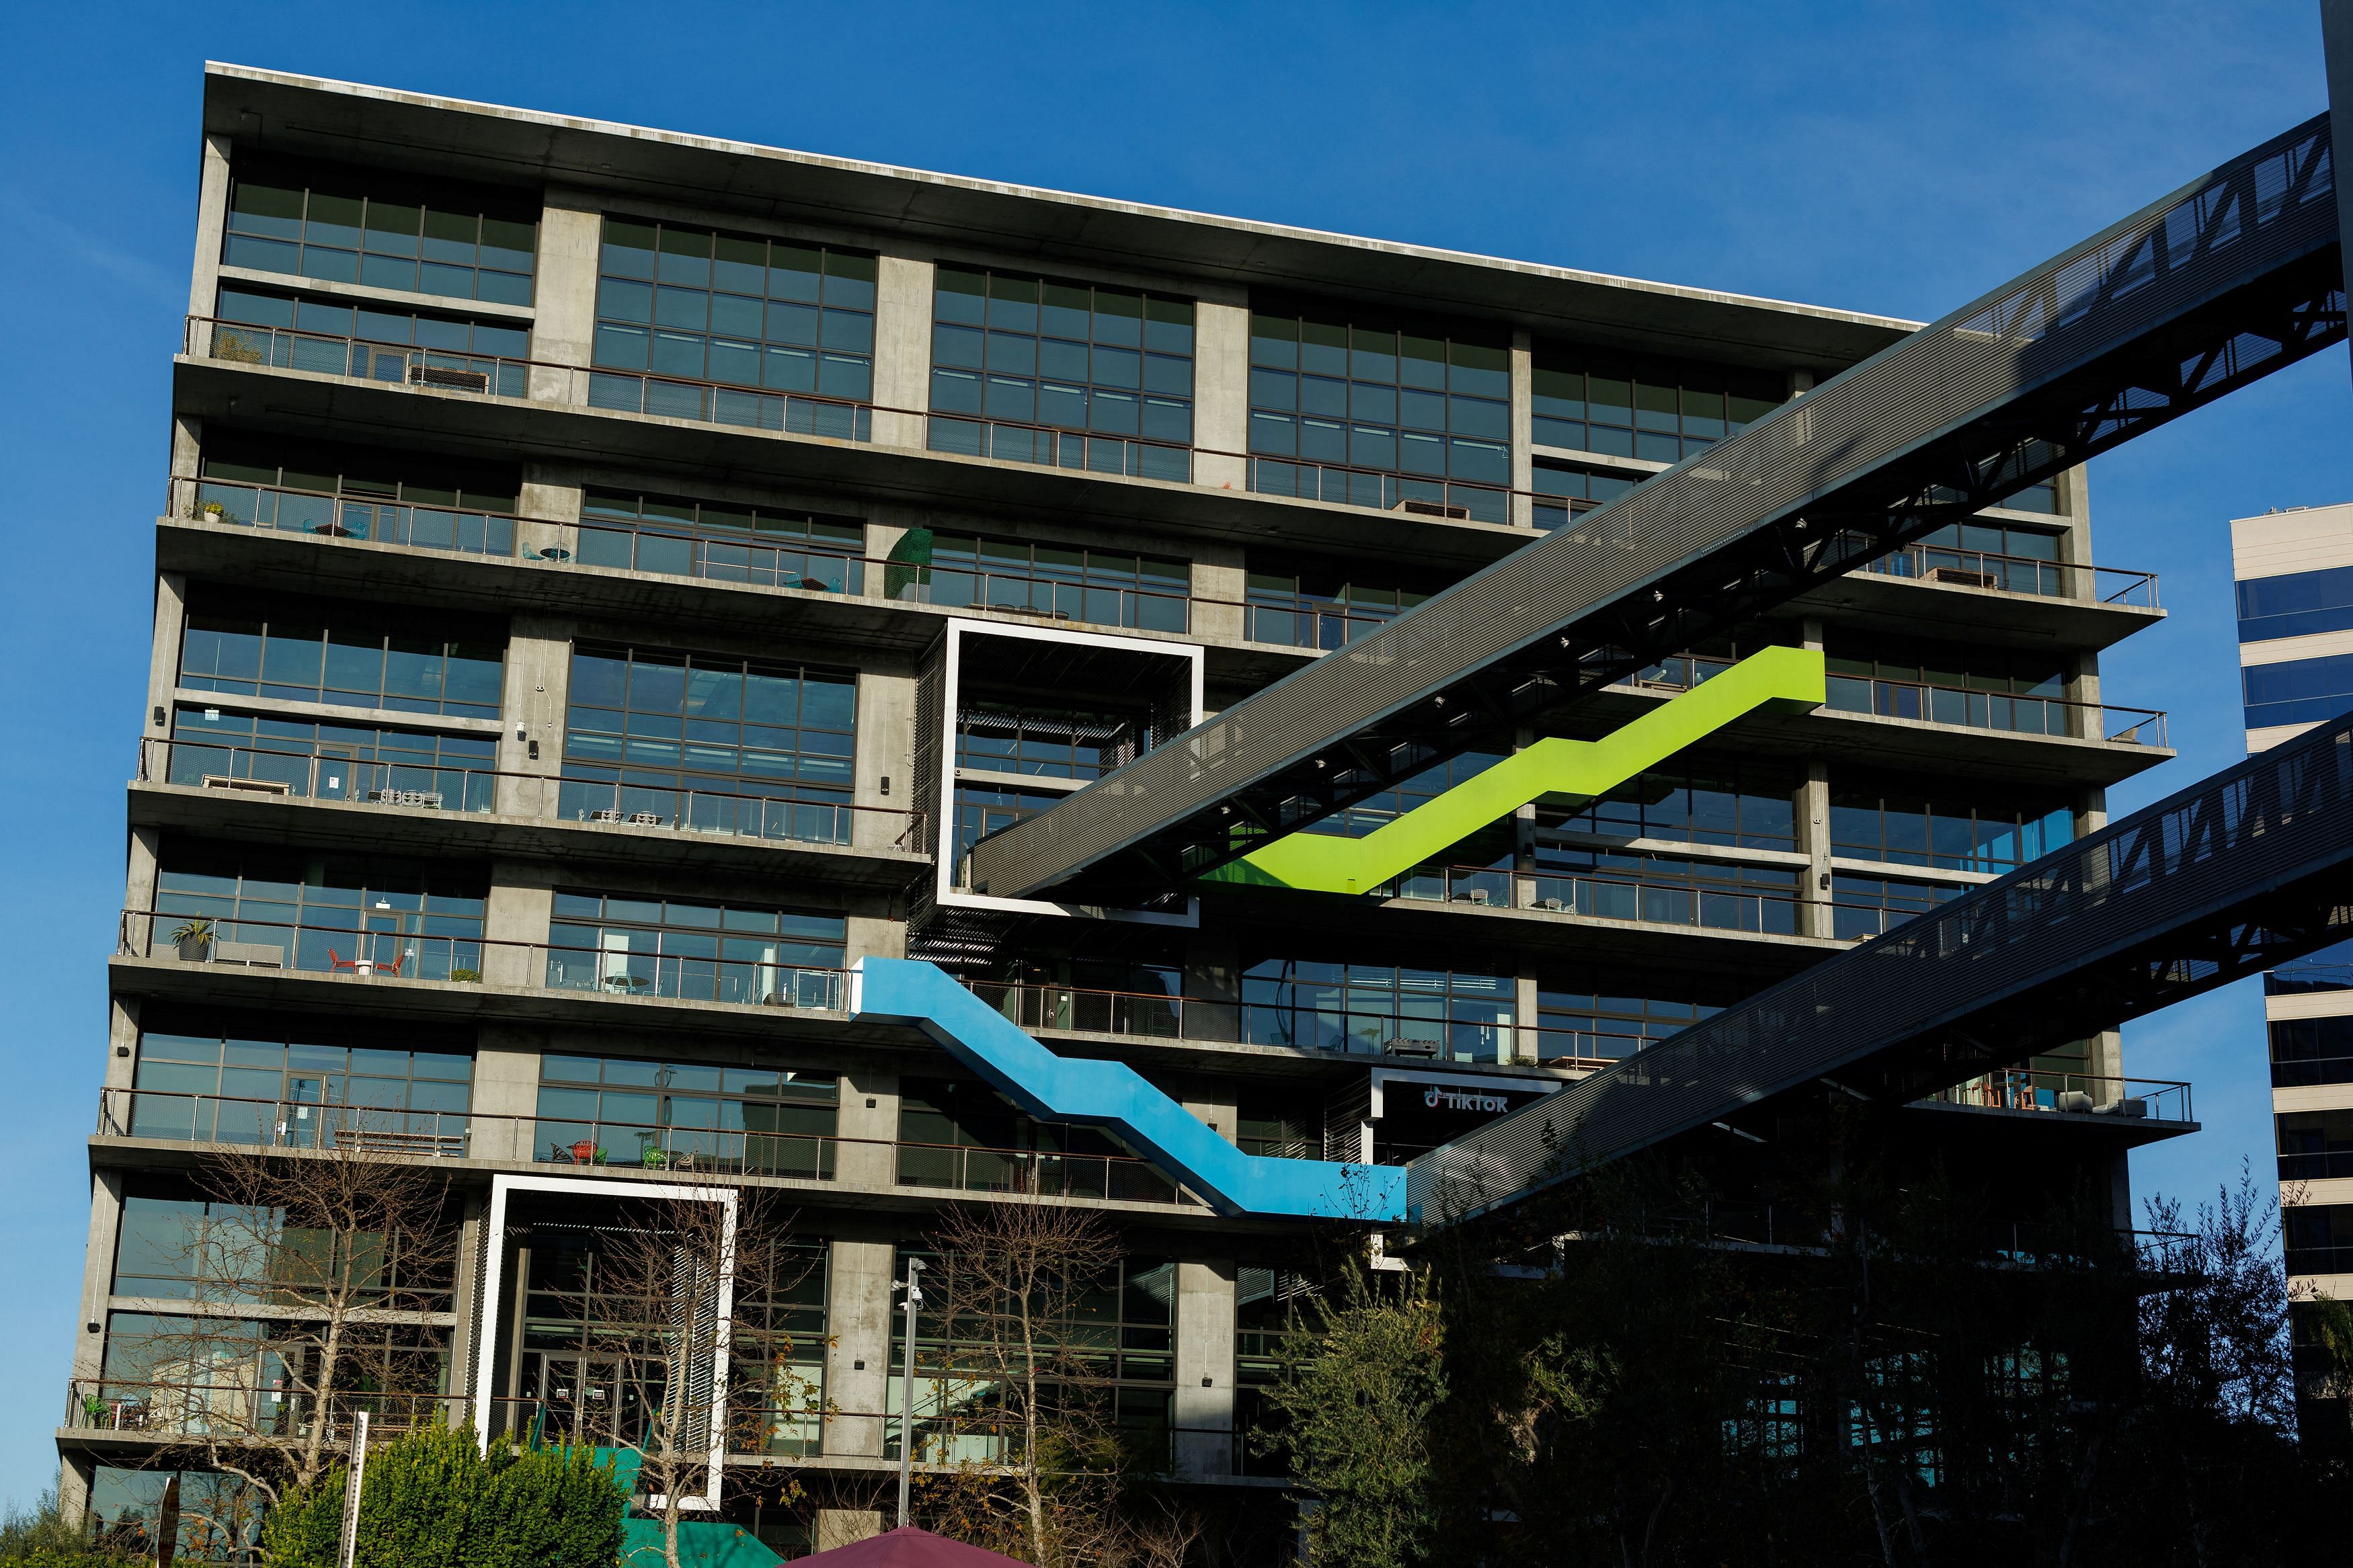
[1954,567]
[422,805]
[1910,724]
[2070,1095]
[274,509]
[357,359]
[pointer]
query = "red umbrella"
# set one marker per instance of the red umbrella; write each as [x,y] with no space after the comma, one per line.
[908,1547]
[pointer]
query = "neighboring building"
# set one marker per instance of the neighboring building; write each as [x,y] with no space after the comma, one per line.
[610,578]
[2294,577]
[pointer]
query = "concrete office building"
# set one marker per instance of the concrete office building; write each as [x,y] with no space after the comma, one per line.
[2293,573]
[610,577]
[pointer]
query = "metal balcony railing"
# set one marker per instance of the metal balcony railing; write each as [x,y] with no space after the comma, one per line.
[2073,1094]
[361,359]
[2011,711]
[1303,622]
[2018,574]
[394,947]
[274,507]
[234,1121]
[312,775]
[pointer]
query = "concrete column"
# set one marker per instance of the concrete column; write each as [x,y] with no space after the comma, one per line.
[550,503]
[532,702]
[1219,586]
[1814,840]
[1204,1406]
[903,349]
[1527,1044]
[1221,395]
[2084,687]
[1524,429]
[857,1361]
[868,1123]
[884,749]
[564,296]
[187,459]
[506,1092]
[76,1471]
[163,665]
[98,1270]
[521,905]
[139,889]
[847,1526]
[212,226]
[121,1043]
[874,936]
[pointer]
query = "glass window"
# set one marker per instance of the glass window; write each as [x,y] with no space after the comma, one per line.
[1666,890]
[1981,688]
[1726,801]
[2306,1051]
[1659,410]
[981,812]
[783,335]
[1564,489]
[1064,583]
[373,342]
[293,909]
[708,952]
[1308,609]
[347,492]
[1066,375]
[377,228]
[1440,1014]
[682,1116]
[213,747]
[2296,604]
[326,650]
[2297,691]
[1045,742]
[271,1081]
[1876,819]
[1348,407]
[710,743]
[1867,906]
[2315,1146]
[1982,554]
[1592,1017]
[725,543]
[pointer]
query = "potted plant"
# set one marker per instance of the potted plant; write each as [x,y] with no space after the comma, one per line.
[214,512]
[464,975]
[600,1153]
[195,940]
[94,1409]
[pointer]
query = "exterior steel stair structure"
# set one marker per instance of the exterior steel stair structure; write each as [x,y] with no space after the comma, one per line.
[2237,873]
[2232,277]
[1115,1098]
[1553,768]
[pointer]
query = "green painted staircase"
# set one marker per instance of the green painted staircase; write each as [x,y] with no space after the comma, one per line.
[1784,679]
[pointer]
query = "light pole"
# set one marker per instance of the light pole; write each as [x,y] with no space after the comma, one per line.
[914,1291]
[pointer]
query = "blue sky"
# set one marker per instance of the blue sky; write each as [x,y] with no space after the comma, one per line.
[1891,157]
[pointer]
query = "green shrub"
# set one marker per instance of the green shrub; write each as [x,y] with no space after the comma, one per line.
[431,1500]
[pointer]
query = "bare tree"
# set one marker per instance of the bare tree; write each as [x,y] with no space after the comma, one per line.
[314,1275]
[1028,1372]
[676,1304]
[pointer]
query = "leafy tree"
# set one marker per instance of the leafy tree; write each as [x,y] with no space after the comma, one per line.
[433,1500]
[1362,1376]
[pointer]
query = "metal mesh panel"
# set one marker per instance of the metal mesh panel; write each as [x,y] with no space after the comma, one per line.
[2268,208]
[2208,852]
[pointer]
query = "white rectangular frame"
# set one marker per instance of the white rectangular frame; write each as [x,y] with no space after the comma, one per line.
[945,890]
[494,1268]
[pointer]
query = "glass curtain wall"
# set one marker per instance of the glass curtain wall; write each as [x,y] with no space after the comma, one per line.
[704,952]
[362,915]
[688,538]
[692,324]
[324,650]
[214,749]
[373,342]
[1383,1009]
[1066,375]
[686,1116]
[708,743]
[371,227]
[351,493]
[1373,412]
[278,1082]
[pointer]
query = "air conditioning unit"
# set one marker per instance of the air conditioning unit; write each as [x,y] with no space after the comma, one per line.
[456,379]
[1961,575]
[1399,1045]
[1433,508]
